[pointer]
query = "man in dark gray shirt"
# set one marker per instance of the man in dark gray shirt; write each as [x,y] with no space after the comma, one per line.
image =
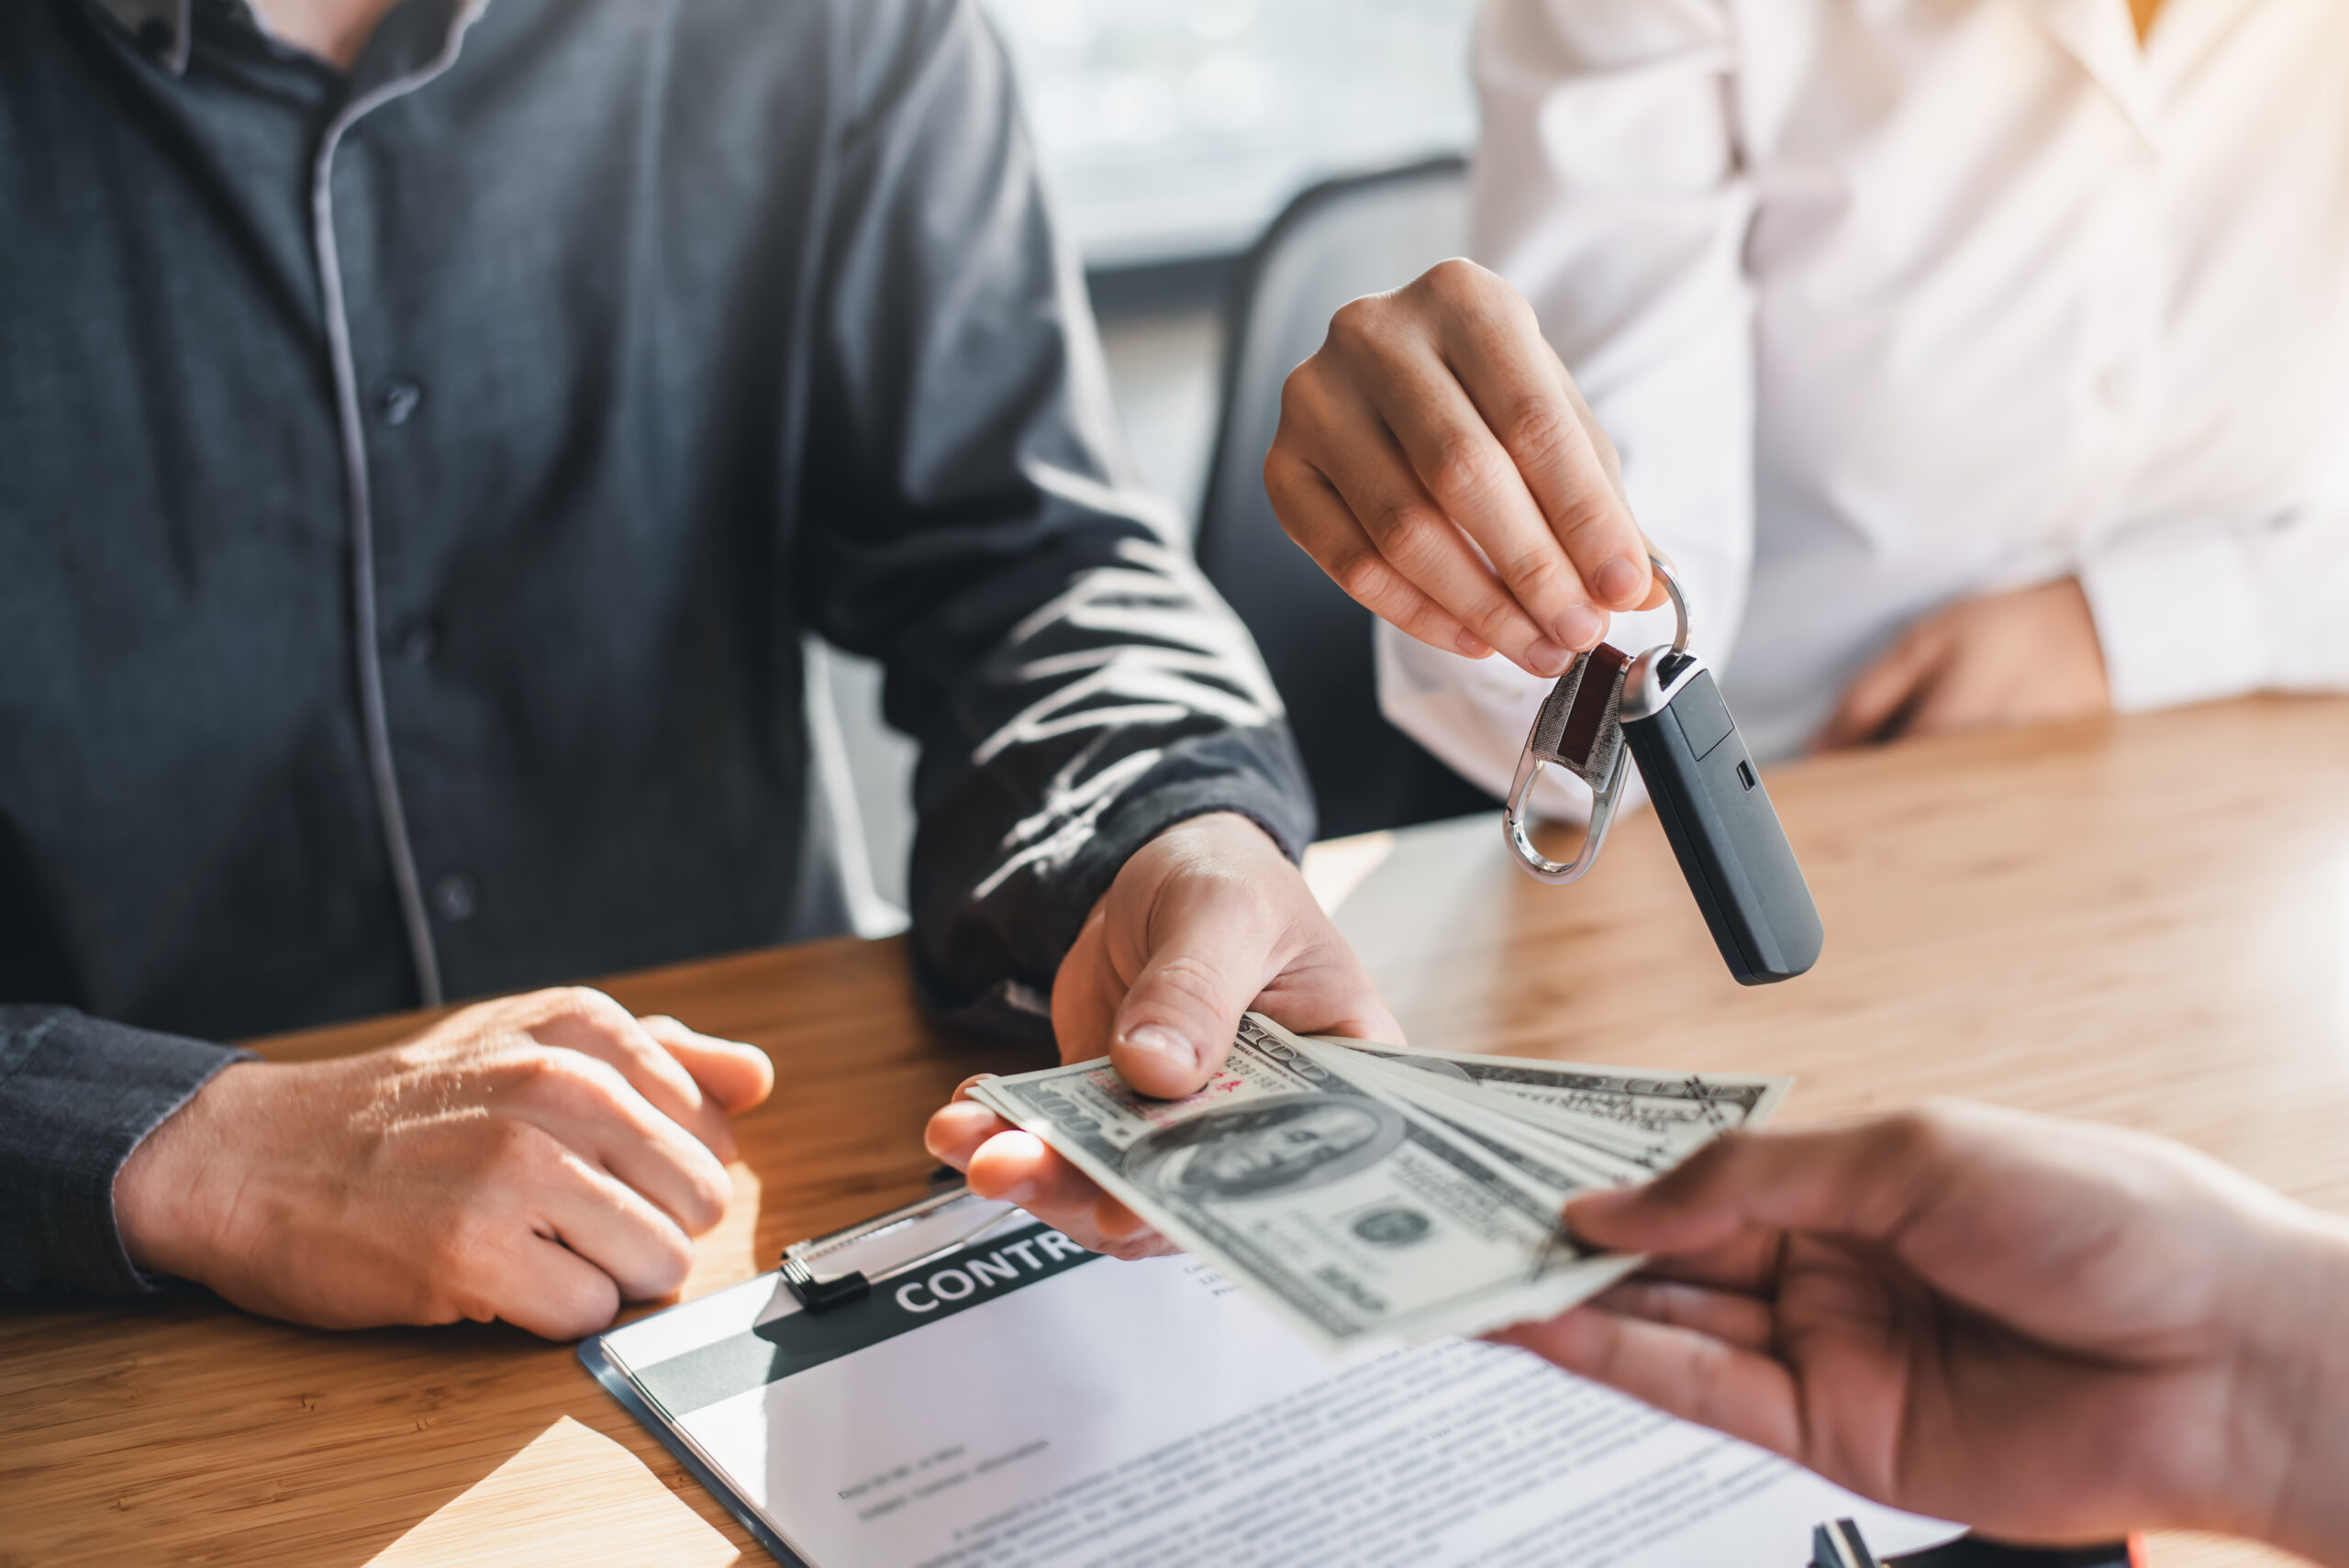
[425,431]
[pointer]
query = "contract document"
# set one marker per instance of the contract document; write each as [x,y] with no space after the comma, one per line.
[1013,1401]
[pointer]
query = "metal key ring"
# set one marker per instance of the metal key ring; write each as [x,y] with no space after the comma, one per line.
[1679,602]
[1515,823]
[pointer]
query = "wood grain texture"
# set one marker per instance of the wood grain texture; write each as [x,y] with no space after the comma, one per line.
[2145,921]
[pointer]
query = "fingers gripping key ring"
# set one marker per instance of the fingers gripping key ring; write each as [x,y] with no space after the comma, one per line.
[1579,729]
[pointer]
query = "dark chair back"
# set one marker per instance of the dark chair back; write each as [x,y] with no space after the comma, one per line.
[1336,242]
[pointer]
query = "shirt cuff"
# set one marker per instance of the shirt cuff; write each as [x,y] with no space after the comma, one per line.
[1249,772]
[77,1094]
[2178,621]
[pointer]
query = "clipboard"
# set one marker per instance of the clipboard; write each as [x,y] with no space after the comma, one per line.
[886,1245]
[1840,1544]
[954,1383]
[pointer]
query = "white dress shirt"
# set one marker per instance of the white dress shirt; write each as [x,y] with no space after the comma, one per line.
[1890,303]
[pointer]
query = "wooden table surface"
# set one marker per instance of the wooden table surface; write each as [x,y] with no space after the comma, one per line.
[2143,921]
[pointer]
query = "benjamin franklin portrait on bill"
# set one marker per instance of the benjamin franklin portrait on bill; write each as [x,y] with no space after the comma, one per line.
[1288,1145]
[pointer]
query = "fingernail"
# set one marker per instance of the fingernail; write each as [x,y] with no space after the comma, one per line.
[1579,626]
[1618,581]
[1544,657]
[1475,647]
[1153,1039]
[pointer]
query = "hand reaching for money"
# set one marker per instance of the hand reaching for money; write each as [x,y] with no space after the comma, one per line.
[1207,921]
[2051,1331]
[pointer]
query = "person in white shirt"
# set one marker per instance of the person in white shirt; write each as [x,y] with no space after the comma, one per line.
[1976,363]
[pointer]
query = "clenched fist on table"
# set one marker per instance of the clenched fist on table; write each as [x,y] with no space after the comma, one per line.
[539,1159]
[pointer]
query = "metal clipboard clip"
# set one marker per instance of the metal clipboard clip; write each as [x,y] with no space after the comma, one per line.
[1838,1544]
[1578,729]
[821,1293]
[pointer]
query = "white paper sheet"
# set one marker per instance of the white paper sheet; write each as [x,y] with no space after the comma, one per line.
[1149,1413]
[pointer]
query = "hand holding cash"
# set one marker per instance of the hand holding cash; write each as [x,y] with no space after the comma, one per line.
[1366,1190]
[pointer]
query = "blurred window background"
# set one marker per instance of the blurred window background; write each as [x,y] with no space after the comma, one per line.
[1174,130]
[1172,133]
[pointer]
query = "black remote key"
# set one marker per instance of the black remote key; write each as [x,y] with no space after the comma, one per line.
[1723,829]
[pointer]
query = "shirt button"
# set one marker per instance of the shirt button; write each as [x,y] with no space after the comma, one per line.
[398,401]
[418,643]
[455,896]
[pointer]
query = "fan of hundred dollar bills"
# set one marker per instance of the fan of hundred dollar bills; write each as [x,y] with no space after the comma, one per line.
[1373,1191]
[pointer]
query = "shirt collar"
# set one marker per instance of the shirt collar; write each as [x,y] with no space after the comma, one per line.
[2102,38]
[164,28]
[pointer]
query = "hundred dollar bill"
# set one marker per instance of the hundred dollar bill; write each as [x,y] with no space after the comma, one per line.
[1653,1119]
[1536,1151]
[1540,1153]
[1350,1212]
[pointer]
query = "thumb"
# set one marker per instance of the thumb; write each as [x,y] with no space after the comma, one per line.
[1174,1026]
[735,1075]
[1859,1181]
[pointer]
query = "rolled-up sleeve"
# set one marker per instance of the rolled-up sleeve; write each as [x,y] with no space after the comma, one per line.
[77,1094]
[1075,685]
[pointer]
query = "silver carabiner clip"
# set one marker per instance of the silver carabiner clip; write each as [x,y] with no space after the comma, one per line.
[1579,729]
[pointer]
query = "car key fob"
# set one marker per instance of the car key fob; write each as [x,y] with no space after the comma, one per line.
[1718,819]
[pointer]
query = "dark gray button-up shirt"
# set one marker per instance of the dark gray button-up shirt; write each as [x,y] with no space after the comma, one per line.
[413,486]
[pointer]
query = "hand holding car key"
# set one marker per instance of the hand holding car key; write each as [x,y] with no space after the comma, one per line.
[1662,709]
